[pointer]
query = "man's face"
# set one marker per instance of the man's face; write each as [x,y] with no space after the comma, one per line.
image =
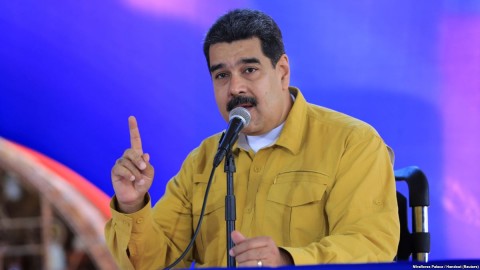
[244,77]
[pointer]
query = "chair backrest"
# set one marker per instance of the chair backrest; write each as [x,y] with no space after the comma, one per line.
[417,242]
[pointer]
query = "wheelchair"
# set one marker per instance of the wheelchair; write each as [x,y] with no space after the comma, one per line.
[415,243]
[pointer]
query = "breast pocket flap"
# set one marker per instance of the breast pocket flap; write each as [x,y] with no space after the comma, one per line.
[295,189]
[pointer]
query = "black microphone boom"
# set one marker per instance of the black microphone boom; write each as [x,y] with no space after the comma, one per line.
[239,119]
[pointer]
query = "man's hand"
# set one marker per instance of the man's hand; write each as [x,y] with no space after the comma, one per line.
[258,251]
[132,174]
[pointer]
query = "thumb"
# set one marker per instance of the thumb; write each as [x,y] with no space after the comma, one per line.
[148,171]
[237,237]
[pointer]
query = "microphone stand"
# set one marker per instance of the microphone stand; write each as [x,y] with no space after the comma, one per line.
[230,208]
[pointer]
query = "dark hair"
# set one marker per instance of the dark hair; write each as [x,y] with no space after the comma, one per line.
[242,24]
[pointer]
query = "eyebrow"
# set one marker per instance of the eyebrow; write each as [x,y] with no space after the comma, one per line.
[252,60]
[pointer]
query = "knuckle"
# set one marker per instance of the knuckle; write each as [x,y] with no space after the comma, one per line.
[130,153]
[270,241]
[116,167]
[121,162]
[127,152]
[118,161]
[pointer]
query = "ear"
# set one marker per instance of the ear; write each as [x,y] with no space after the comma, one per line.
[283,69]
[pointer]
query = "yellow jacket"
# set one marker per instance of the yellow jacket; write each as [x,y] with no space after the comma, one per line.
[325,192]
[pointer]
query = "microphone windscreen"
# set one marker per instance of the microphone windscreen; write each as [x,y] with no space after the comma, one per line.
[242,113]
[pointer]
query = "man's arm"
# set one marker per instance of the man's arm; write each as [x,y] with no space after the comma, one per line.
[150,238]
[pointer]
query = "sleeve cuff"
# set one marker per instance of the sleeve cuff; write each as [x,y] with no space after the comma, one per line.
[300,256]
[134,222]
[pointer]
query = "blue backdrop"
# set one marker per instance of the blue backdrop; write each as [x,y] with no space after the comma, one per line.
[72,72]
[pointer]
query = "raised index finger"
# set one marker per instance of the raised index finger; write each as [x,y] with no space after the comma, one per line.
[135,140]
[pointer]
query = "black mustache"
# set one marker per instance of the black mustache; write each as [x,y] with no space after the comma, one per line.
[241,100]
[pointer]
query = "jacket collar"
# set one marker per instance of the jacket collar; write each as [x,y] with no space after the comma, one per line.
[293,130]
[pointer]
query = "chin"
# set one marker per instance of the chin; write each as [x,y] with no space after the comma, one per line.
[248,131]
[252,132]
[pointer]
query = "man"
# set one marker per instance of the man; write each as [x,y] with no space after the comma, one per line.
[312,185]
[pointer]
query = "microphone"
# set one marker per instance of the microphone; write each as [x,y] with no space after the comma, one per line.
[239,118]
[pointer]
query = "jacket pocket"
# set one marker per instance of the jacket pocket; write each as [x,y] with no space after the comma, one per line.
[296,207]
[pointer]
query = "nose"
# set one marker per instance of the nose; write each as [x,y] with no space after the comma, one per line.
[237,85]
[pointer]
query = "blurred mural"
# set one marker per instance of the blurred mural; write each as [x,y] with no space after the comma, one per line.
[71,72]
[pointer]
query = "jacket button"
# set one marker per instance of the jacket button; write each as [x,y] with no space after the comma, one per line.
[378,202]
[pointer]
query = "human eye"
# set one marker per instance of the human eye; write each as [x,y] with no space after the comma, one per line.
[249,70]
[221,75]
